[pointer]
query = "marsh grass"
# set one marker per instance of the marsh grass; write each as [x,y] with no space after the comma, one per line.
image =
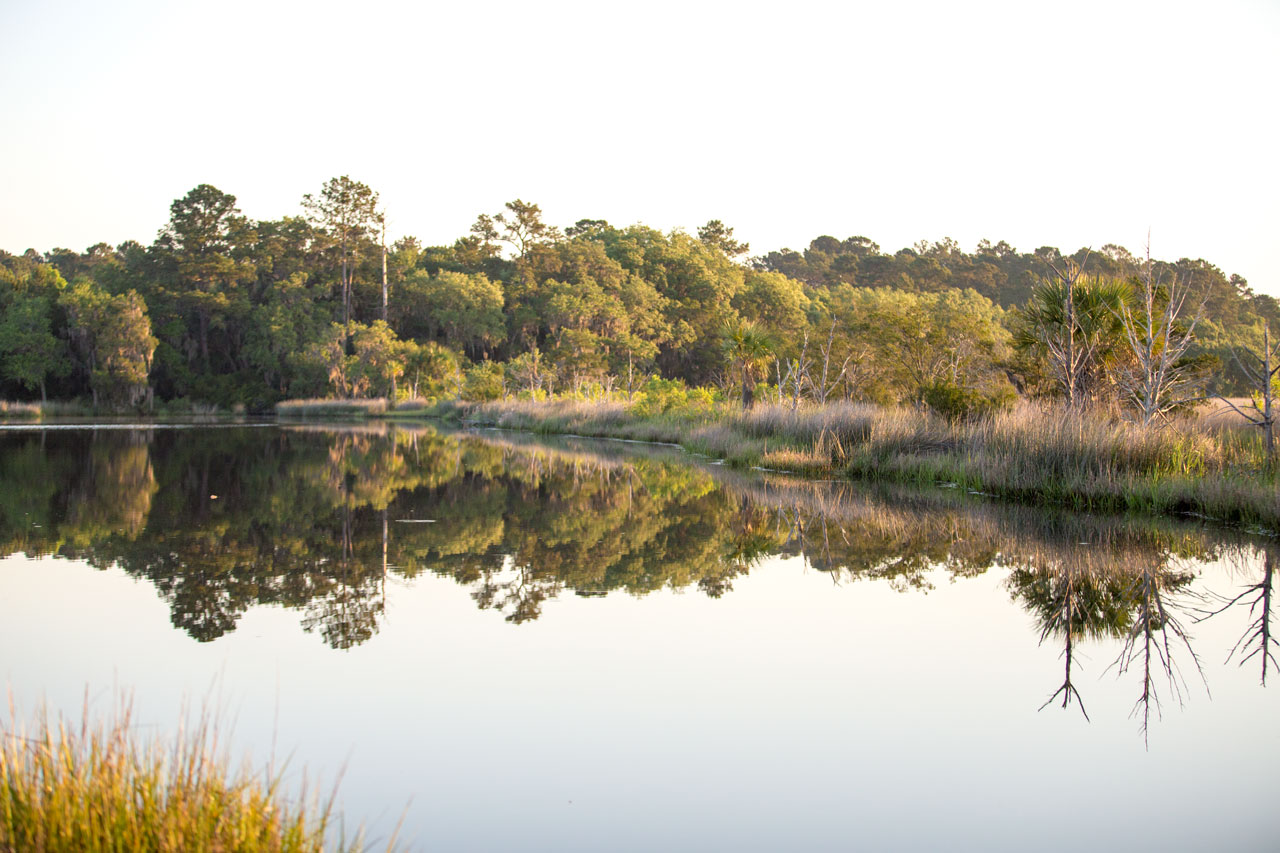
[19,411]
[326,408]
[104,787]
[1030,454]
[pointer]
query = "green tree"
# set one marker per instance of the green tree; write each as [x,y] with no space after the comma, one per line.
[347,211]
[1073,323]
[428,368]
[282,327]
[379,359]
[716,233]
[113,336]
[520,226]
[748,346]
[204,229]
[29,351]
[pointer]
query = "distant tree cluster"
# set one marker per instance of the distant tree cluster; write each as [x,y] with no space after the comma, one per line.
[225,310]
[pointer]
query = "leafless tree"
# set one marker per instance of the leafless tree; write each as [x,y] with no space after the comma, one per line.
[1070,352]
[822,386]
[1157,380]
[1262,375]
[796,378]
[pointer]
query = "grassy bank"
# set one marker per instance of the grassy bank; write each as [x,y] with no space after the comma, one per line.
[1029,455]
[103,787]
[69,409]
[321,408]
[11,411]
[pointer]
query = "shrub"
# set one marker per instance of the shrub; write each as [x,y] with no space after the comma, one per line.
[483,381]
[956,402]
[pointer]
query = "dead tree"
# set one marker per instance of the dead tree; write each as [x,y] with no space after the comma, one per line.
[1158,379]
[1262,405]
[822,386]
[1070,351]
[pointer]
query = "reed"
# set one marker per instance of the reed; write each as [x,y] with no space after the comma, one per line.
[101,787]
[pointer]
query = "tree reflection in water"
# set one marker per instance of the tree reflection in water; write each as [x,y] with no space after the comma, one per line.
[316,519]
[1257,641]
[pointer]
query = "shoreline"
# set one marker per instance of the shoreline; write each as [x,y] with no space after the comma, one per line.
[1071,461]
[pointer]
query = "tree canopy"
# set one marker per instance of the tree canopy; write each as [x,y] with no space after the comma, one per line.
[226,310]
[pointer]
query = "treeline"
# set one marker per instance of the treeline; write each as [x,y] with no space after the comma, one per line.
[225,310]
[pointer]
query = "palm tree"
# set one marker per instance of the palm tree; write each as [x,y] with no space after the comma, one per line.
[1075,325]
[747,345]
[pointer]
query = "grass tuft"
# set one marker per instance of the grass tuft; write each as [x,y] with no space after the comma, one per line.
[100,787]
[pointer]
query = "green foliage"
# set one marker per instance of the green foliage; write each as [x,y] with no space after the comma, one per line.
[1075,331]
[29,352]
[459,310]
[671,396]
[242,310]
[430,370]
[112,335]
[957,402]
[483,381]
[379,360]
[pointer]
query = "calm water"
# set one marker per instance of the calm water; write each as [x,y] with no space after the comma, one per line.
[511,644]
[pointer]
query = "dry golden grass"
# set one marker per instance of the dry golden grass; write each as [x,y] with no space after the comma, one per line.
[1219,413]
[1032,454]
[101,787]
[329,408]
[19,411]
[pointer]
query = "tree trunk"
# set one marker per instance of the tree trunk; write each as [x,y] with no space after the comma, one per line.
[204,339]
[1268,411]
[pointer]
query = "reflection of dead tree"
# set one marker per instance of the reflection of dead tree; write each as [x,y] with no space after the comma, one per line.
[1153,637]
[1066,615]
[1257,640]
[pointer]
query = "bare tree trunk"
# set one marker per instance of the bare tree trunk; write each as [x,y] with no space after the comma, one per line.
[630,377]
[1068,356]
[1268,401]
[1156,383]
[384,300]
[1263,405]
[346,292]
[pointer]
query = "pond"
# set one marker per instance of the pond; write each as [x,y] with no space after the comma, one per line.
[498,642]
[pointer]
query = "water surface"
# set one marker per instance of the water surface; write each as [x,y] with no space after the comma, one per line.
[512,644]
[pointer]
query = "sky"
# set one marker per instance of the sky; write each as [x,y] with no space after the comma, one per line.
[1067,125]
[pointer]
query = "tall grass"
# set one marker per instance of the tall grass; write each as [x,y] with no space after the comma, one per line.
[102,787]
[1030,454]
[19,411]
[326,408]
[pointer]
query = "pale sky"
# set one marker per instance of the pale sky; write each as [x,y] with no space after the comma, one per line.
[1070,125]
